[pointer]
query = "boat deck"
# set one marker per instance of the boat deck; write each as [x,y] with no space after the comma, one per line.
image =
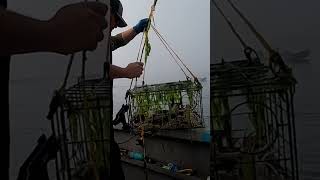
[189,149]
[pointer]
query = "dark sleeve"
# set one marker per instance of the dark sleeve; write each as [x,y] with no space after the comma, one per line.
[117,42]
[3,3]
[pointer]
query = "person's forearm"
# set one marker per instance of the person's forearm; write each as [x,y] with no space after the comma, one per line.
[117,72]
[128,35]
[20,34]
[123,38]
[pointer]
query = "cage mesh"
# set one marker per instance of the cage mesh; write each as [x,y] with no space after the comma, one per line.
[252,122]
[83,124]
[172,105]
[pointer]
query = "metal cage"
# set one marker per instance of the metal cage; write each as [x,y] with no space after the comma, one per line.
[174,105]
[252,122]
[82,122]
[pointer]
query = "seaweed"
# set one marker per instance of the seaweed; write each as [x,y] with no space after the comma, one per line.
[95,129]
[167,103]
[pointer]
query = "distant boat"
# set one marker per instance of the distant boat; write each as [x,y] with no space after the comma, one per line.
[301,54]
[203,79]
[297,57]
[289,56]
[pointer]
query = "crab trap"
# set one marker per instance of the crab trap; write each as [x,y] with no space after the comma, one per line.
[175,105]
[252,122]
[171,105]
[82,122]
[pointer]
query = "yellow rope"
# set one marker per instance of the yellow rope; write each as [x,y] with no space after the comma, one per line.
[146,45]
[146,42]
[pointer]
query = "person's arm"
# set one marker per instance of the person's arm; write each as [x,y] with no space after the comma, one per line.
[128,35]
[133,70]
[74,28]
[117,72]
[21,34]
[125,37]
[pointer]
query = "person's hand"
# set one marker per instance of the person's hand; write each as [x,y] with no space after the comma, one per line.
[143,23]
[134,70]
[78,27]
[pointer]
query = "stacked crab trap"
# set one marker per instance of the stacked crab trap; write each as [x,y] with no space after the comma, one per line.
[81,117]
[252,122]
[252,115]
[82,122]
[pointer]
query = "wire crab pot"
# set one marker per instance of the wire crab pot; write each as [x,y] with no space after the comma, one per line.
[82,122]
[174,105]
[252,122]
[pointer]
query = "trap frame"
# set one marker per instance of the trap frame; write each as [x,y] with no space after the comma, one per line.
[81,120]
[174,105]
[83,123]
[252,122]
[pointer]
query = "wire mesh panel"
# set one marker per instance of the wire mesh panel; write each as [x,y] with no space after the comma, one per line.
[83,124]
[172,105]
[252,122]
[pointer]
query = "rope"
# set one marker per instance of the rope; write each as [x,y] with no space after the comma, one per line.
[274,56]
[137,61]
[257,34]
[248,51]
[144,45]
[230,24]
[84,59]
[157,33]
[84,53]
[146,34]
[167,44]
[173,54]
[67,72]
[144,69]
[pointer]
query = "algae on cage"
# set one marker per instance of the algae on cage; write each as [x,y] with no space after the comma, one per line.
[95,127]
[257,106]
[166,101]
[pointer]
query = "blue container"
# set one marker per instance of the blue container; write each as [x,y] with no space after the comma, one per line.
[206,137]
[136,155]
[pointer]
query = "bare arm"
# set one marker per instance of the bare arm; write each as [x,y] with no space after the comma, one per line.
[122,38]
[133,70]
[128,35]
[117,72]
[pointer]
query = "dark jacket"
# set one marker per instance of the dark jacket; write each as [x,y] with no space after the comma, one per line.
[5,128]
[116,168]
